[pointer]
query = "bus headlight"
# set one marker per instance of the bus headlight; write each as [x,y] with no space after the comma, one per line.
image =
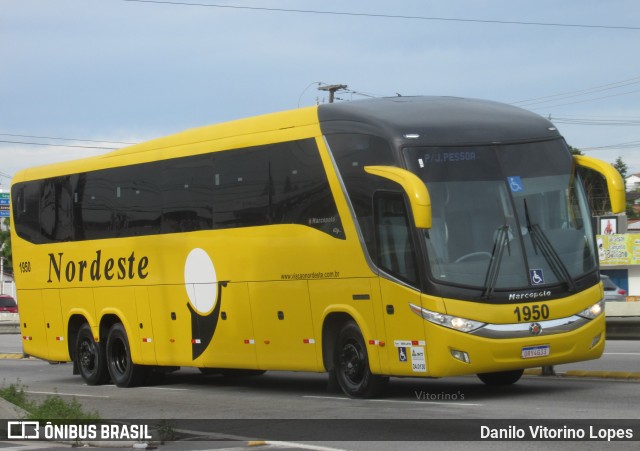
[594,311]
[452,322]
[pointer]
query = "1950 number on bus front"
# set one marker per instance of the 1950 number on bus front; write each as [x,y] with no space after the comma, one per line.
[532,313]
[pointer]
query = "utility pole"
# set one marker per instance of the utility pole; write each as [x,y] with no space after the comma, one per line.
[332,90]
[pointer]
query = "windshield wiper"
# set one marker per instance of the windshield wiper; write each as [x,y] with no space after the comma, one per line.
[501,241]
[541,241]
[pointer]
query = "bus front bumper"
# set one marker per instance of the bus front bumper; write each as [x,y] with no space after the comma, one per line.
[453,353]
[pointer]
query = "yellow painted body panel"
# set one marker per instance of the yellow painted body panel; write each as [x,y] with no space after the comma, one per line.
[401,326]
[32,324]
[284,334]
[336,295]
[58,345]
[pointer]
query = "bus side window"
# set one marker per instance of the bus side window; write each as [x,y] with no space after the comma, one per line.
[300,192]
[187,194]
[352,152]
[96,196]
[56,209]
[241,188]
[137,199]
[26,207]
[393,236]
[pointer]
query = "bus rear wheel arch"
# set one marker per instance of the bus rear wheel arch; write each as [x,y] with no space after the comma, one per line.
[124,373]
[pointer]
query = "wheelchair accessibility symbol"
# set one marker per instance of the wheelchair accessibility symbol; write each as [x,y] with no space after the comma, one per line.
[515,184]
[536,276]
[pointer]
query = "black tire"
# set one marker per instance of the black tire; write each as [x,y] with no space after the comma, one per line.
[501,378]
[90,357]
[351,364]
[124,373]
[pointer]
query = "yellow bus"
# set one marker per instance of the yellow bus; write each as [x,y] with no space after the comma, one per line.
[409,236]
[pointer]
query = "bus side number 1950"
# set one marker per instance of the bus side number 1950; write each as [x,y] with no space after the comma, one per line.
[25,266]
[532,313]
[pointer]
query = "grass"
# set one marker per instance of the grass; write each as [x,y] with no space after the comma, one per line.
[53,407]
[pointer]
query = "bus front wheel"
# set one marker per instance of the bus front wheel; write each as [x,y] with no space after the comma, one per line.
[501,377]
[124,373]
[90,357]
[351,363]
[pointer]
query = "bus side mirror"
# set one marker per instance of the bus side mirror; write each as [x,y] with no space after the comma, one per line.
[415,188]
[615,184]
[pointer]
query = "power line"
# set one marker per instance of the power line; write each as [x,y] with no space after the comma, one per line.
[57,145]
[627,145]
[571,94]
[66,139]
[577,120]
[389,16]
[589,100]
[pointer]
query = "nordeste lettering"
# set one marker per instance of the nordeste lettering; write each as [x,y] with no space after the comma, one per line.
[120,268]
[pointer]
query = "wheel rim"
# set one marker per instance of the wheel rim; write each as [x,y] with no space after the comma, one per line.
[119,357]
[352,362]
[88,356]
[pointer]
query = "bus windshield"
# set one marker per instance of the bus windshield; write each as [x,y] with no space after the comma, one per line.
[505,217]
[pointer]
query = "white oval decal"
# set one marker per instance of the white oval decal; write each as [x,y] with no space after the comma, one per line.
[201,281]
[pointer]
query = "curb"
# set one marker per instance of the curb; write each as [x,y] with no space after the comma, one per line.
[626,375]
[623,327]
[9,411]
[9,327]
[621,375]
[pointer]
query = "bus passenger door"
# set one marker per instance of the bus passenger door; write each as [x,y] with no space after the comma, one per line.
[396,257]
[405,340]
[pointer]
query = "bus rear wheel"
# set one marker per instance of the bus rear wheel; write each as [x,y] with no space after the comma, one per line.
[501,378]
[90,357]
[124,373]
[351,363]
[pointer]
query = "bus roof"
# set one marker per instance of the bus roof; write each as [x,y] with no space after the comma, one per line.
[438,121]
[164,146]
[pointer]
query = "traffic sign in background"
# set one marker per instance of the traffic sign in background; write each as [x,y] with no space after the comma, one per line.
[5,208]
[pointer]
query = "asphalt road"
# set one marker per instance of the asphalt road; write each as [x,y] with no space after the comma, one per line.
[298,407]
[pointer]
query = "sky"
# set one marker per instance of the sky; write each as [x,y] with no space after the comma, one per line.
[96,74]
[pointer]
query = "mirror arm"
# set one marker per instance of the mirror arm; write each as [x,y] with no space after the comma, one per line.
[413,186]
[615,184]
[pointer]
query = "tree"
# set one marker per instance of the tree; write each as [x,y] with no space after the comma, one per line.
[575,151]
[5,244]
[621,167]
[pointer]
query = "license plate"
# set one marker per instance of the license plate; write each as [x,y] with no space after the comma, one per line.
[535,351]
